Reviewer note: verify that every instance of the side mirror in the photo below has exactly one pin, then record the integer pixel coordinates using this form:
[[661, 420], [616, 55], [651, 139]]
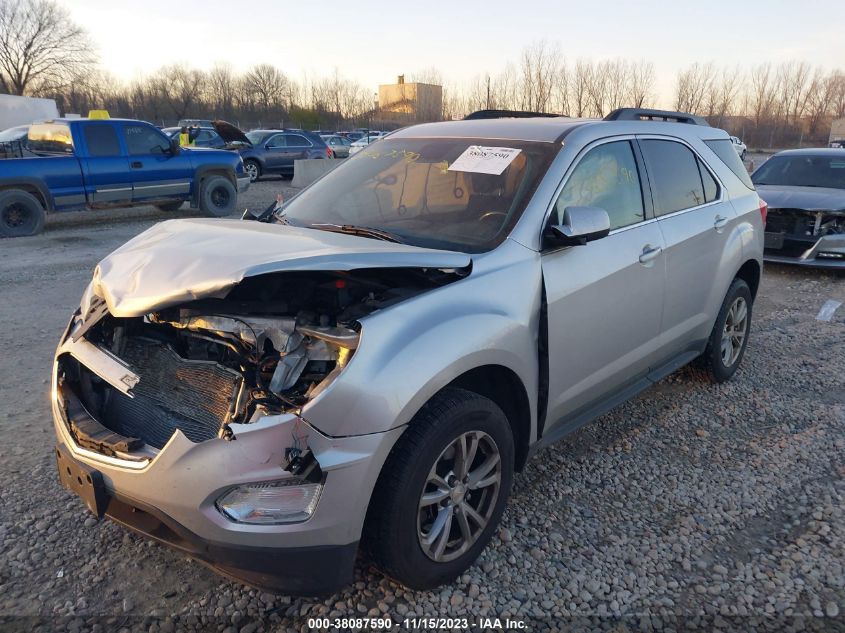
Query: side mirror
[[175, 148], [580, 225]]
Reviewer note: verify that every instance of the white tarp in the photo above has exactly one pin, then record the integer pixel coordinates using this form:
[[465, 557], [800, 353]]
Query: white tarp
[[16, 110]]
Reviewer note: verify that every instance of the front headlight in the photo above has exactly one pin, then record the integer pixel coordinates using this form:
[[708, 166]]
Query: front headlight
[[271, 502]]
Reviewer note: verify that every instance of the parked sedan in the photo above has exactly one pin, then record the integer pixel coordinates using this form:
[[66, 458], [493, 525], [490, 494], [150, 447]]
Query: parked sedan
[[364, 141], [339, 145], [805, 189], [274, 151]]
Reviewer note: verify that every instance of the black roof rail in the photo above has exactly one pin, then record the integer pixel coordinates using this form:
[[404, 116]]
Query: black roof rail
[[647, 114], [505, 114]]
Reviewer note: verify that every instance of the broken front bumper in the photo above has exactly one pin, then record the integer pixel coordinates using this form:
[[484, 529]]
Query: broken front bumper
[[827, 252], [170, 495]]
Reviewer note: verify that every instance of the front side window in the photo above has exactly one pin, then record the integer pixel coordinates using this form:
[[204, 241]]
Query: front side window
[[675, 177], [405, 186], [101, 140], [142, 140], [277, 141], [607, 177]]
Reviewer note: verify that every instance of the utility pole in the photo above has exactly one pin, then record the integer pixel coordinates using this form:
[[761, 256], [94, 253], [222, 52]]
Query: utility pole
[[488, 91]]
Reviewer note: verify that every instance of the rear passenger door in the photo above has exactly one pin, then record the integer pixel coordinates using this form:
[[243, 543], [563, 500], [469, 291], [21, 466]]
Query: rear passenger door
[[604, 298], [298, 148], [107, 174], [694, 219]]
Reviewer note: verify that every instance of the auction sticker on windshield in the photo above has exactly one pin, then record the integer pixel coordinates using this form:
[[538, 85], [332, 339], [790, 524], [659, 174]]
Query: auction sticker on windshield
[[485, 160]]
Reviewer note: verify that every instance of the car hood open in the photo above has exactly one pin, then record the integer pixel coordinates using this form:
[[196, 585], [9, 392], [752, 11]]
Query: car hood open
[[183, 260], [229, 133], [807, 198]]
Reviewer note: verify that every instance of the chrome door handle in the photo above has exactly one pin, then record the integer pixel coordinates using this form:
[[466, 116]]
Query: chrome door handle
[[719, 223], [649, 253]]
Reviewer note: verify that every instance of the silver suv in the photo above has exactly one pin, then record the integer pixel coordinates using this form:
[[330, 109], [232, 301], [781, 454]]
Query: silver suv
[[368, 364]]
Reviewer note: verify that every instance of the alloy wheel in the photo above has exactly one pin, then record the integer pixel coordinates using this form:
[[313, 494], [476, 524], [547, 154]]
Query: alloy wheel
[[736, 328], [459, 496]]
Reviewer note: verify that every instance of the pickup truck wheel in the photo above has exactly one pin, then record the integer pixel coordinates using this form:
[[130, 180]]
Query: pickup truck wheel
[[170, 207], [729, 337], [252, 169], [218, 197], [21, 214], [442, 490]]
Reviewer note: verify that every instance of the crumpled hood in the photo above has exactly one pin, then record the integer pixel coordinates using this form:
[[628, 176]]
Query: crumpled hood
[[809, 198], [182, 260]]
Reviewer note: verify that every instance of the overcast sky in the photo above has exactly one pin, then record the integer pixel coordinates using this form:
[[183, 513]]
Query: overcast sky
[[373, 41]]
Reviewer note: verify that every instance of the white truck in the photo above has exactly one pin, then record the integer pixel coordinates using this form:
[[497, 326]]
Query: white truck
[[837, 133], [16, 110]]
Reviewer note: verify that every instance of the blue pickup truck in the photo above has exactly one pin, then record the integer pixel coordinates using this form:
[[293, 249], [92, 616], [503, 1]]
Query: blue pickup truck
[[95, 164]]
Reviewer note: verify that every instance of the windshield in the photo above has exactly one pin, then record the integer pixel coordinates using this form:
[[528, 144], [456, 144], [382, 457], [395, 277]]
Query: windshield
[[411, 188], [13, 133], [256, 137], [802, 170]]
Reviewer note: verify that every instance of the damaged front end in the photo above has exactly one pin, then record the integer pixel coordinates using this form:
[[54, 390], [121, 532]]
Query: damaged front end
[[811, 237], [273, 344]]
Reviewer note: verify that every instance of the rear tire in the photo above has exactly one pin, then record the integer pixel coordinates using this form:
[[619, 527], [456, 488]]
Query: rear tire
[[170, 207], [21, 214], [729, 338], [434, 509], [218, 197]]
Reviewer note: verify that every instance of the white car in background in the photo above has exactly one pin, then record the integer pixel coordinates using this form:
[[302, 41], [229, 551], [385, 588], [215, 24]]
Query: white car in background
[[739, 146], [362, 142]]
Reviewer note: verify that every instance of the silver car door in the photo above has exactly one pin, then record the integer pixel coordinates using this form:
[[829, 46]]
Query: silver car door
[[604, 298], [694, 217]]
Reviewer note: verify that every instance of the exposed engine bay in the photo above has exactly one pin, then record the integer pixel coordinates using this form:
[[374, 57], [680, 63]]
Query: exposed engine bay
[[271, 345], [795, 230]]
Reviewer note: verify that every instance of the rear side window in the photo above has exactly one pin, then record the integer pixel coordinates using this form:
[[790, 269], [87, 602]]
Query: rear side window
[[101, 140], [724, 149], [295, 140], [50, 137], [142, 140], [675, 177]]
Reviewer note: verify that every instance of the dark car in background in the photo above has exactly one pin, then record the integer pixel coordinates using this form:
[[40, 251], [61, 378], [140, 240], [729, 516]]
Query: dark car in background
[[206, 137], [274, 151], [805, 190]]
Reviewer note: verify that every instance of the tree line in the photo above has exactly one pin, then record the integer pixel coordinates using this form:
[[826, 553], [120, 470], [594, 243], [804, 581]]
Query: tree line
[[44, 53]]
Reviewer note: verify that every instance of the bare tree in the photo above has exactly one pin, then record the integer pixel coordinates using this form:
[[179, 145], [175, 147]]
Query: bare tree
[[693, 88], [39, 44], [269, 86], [539, 71], [640, 91], [222, 88], [578, 87]]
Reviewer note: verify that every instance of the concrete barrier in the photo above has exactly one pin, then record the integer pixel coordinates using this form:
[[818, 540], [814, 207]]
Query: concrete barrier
[[307, 171]]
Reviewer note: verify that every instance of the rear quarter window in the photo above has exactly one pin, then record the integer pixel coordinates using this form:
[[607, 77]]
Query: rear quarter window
[[50, 138], [724, 149], [101, 140]]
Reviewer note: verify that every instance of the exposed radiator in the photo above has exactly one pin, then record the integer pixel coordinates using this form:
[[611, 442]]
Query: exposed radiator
[[193, 396]]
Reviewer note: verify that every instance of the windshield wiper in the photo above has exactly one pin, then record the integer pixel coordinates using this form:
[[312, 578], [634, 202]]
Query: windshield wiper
[[363, 231]]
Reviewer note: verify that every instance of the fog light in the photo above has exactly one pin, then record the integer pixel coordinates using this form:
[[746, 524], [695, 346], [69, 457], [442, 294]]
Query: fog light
[[271, 502]]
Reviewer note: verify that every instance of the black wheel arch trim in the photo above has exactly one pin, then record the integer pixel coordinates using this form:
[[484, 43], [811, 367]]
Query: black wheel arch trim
[[40, 186]]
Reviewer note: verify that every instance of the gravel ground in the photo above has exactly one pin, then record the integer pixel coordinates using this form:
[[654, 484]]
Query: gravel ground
[[695, 504]]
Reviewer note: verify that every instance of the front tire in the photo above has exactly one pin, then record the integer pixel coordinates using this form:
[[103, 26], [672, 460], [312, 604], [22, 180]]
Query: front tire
[[729, 338], [442, 490], [21, 214], [252, 169], [218, 197]]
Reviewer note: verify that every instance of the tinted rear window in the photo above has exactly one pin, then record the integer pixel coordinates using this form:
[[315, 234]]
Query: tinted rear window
[[674, 172], [724, 149], [101, 140]]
